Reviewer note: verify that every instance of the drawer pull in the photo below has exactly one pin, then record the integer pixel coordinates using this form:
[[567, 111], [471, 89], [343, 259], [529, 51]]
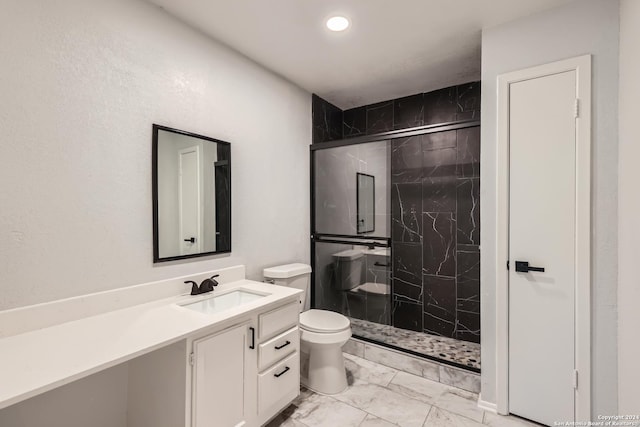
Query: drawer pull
[[286, 368], [280, 347]]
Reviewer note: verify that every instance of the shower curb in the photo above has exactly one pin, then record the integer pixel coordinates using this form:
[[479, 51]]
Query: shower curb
[[440, 372]]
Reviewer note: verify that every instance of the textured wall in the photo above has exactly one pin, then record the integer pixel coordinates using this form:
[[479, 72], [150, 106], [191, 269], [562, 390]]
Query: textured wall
[[589, 26], [82, 83]]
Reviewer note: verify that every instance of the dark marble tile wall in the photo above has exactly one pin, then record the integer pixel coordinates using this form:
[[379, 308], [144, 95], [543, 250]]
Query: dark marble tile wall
[[435, 212], [435, 233], [435, 198], [441, 106], [326, 120], [450, 104]]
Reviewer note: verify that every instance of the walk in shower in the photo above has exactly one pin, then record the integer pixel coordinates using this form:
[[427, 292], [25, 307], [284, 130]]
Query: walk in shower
[[395, 238]]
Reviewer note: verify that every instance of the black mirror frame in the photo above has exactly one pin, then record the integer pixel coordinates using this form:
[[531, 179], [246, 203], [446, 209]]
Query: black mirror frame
[[154, 174]]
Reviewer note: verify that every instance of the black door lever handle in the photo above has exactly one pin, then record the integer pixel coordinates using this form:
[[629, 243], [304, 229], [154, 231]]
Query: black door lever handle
[[192, 240], [523, 267]]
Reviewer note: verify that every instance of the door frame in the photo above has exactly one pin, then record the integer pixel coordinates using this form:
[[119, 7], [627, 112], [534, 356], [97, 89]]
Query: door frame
[[582, 66]]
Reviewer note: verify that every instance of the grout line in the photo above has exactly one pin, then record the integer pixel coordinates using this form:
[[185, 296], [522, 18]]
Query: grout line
[[427, 417], [392, 378]]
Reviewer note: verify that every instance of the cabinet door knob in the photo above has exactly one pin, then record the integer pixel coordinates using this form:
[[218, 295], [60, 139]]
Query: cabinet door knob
[[286, 368]]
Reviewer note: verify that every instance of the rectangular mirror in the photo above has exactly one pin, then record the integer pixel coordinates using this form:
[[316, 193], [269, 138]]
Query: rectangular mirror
[[191, 195], [366, 205]]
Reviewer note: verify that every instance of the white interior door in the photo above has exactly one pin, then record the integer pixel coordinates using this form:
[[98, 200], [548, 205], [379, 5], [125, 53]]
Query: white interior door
[[189, 200], [542, 232]]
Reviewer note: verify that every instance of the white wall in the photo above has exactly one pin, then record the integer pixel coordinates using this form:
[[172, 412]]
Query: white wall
[[82, 82], [578, 28], [628, 208]]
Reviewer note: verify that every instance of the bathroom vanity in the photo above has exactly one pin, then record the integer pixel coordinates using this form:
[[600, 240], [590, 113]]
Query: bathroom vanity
[[230, 357]]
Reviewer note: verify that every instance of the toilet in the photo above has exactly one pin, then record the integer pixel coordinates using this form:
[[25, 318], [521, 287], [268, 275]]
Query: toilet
[[322, 333], [348, 265], [367, 300]]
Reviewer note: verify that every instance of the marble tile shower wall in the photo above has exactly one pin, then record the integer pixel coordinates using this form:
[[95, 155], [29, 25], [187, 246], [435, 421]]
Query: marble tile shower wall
[[435, 233], [435, 205]]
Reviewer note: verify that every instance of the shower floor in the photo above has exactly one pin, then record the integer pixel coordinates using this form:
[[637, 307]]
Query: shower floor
[[447, 349]]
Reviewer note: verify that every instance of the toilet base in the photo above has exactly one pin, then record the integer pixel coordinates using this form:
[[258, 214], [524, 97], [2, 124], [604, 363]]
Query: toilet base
[[326, 373]]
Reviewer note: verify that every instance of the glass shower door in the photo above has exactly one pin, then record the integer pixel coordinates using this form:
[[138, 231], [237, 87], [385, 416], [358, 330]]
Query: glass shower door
[[351, 231]]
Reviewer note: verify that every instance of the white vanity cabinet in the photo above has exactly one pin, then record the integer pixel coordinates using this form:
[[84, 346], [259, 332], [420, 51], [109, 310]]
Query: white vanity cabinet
[[221, 378], [248, 372]]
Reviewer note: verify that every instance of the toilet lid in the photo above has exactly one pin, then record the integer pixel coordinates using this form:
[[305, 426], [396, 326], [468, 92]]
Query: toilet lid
[[323, 321]]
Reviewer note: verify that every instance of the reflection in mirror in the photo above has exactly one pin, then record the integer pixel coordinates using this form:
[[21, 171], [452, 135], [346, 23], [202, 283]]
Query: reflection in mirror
[[365, 191], [191, 195]]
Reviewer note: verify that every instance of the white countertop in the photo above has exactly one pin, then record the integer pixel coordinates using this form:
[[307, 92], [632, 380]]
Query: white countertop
[[34, 362]]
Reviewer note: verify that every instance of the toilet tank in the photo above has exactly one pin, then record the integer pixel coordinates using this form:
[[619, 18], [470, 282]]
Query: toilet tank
[[348, 266], [294, 276]]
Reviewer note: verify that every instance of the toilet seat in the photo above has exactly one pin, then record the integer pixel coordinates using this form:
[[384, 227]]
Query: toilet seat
[[324, 321], [371, 288]]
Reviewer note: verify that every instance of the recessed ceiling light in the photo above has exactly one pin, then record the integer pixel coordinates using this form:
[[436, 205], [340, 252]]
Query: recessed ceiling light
[[337, 23]]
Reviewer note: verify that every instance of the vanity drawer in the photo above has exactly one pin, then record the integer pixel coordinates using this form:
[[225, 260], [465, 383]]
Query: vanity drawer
[[277, 348], [278, 320], [278, 386]]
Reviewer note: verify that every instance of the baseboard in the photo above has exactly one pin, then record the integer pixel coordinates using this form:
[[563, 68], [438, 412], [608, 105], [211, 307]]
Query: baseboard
[[487, 406]]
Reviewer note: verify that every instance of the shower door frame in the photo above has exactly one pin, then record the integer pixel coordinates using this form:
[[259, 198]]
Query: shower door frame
[[375, 241]]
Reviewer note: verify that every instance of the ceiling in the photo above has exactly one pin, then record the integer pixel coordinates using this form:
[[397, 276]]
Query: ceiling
[[392, 49]]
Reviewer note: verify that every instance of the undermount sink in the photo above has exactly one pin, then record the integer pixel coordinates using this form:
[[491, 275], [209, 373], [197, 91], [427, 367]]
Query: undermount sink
[[217, 303]]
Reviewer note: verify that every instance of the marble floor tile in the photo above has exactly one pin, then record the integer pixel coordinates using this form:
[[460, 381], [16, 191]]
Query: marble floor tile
[[495, 420], [324, 411], [459, 378], [462, 403], [284, 419], [417, 388], [281, 421], [441, 418], [379, 396], [362, 370], [372, 421], [445, 397], [386, 404], [402, 362]]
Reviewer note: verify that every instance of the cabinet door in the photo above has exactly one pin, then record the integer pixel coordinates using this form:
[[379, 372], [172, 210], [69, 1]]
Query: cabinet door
[[220, 387]]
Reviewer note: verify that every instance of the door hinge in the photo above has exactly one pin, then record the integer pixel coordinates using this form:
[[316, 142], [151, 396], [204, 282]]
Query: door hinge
[[192, 359], [575, 379], [576, 110]]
